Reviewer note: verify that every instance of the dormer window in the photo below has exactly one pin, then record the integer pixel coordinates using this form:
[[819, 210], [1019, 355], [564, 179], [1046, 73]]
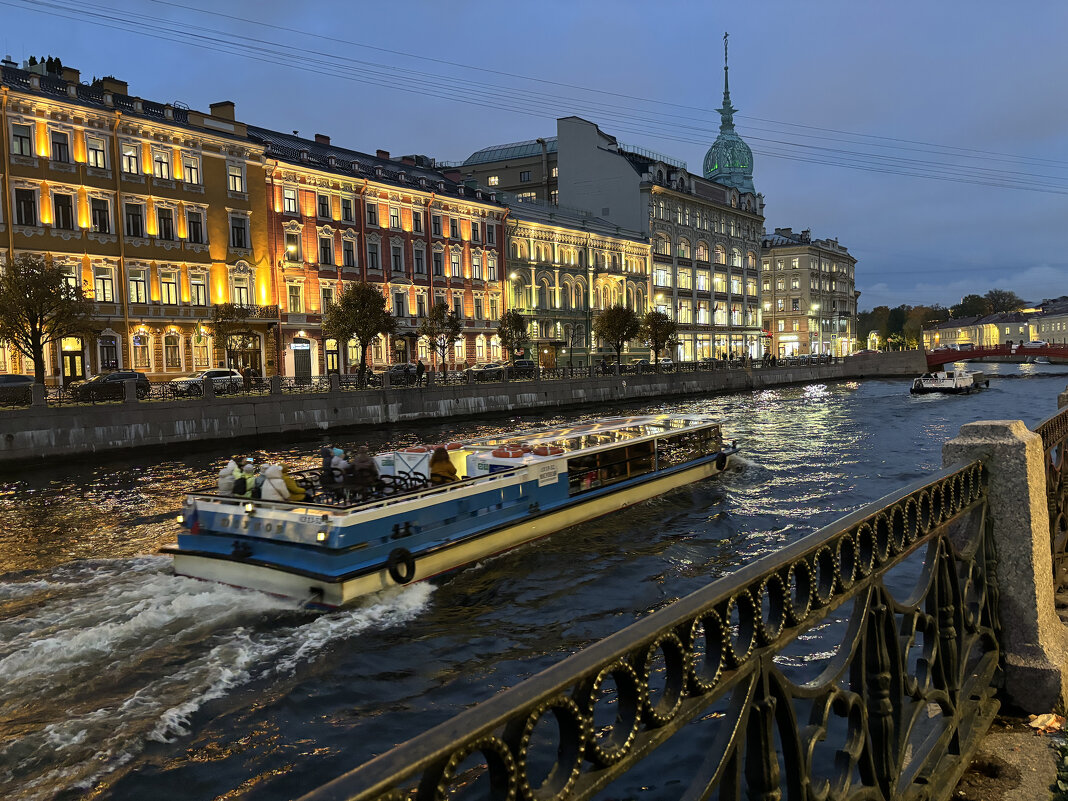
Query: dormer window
[[304, 154]]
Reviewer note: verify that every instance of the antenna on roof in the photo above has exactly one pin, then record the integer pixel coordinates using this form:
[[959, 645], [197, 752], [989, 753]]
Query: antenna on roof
[[296, 133]]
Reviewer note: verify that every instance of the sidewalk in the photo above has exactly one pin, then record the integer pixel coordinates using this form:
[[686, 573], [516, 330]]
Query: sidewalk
[[1012, 764]]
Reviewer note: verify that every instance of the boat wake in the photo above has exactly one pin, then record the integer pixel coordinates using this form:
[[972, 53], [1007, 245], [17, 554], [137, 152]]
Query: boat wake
[[98, 659]]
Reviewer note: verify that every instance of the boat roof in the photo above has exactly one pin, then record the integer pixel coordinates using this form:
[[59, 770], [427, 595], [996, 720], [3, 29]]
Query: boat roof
[[606, 432]]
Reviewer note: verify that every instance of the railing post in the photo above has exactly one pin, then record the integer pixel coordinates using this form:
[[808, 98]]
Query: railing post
[[1062, 399], [38, 395], [207, 388], [276, 384], [385, 379], [129, 390], [1035, 641]]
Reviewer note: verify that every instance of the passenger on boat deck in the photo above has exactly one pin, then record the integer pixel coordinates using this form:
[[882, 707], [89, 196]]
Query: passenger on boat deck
[[274, 484], [296, 492], [226, 477], [248, 472], [364, 469], [327, 474], [338, 462], [442, 470]]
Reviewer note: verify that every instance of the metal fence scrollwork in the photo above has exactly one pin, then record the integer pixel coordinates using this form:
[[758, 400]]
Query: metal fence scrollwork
[[721, 694], [1054, 433]]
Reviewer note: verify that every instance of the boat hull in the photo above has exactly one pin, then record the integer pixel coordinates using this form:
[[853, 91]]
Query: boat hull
[[336, 592]]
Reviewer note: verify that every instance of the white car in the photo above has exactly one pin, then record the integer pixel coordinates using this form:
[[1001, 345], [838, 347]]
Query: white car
[[223, 380], [1036, 343]]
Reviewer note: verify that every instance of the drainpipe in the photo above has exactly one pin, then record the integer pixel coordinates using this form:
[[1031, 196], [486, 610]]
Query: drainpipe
[[6, 201], [272, 241], [120, 229]]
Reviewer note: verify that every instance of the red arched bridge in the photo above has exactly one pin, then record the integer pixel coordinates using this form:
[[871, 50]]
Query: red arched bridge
[[1009, 353]]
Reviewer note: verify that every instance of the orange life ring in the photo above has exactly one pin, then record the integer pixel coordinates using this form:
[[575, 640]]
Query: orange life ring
[[545, 450], [454, 446], [525, 448], [507, 453], [416, 449]]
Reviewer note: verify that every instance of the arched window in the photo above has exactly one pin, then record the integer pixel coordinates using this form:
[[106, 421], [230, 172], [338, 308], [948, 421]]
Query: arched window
[[751, 260], [736, 257], [606, 297], [702, 251], [578, 296], [515, 250], [684, 248], [172, 352], [721, 255], [639, 300], [544, 294], [565, 296]]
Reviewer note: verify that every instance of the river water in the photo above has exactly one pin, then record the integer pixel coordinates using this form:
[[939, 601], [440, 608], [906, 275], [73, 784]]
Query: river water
[[119, 680]]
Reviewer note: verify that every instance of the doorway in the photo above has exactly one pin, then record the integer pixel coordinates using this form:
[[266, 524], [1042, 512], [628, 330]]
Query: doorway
[[73, 359], [302, 366]]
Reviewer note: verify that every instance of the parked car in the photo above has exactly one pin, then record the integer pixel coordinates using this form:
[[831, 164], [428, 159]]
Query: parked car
[[1036, 343], [222, 379], [523, 368], [108, 386], [665, 363], [491, 371], [399, 375], [869, 350], [16, 389], [638, 366]]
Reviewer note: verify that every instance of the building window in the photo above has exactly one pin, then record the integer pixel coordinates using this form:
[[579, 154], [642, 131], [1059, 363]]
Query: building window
[[420, 305], [478, 308], [454, 262], [795, 282], [130, 160], [372, 257], [372, 213], [138, 287], [394, 217], [195, 227], [458, 304], [795, 304], [241, 292], [780, 305], [101, 215], [142, 351], [491, 234], [346, 209], [289, 201], [326, 250], [63, 212], [165, 227], [60, 147], [327, 295], [191, 170], [103, 286], [25, 207], [454, 228], [296, 299], [348, 253], [161, 164], [420, 263], [235, 178], [400, 306], [476, 267], [491, 267], [475, 226], [95, 155], [781, 325], [417, 221], [172, 359], [523, 197], [439, 262], [198, 290], [135, 220], [21, 140], [435, 225], [493, 180], [524, 176], [396, 259], [324, 206], [168, 289], [239, 231]]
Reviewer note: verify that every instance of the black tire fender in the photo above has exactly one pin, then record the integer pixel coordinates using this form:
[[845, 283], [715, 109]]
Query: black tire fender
[[401, 565], [721, 462]]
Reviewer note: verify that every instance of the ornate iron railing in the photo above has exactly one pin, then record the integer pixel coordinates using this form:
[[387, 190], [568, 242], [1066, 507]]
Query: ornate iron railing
[[894, 712], [1054, 433]]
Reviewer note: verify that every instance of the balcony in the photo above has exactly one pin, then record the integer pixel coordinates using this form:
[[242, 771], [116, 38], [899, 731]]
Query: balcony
[[258, 312]]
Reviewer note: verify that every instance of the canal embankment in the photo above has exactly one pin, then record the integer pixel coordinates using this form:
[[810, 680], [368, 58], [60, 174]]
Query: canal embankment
[[43, 432]]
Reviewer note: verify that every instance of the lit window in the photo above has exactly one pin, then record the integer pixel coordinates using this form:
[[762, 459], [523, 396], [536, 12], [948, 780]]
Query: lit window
[[493, 180], [235, 178], [296, 299], [161, 164], [168, 289], [171, 352], [394, 217], [95, 155], [191, 170], [21, 140], [138, 287], [198, 290], [130, 159], [289, 201]]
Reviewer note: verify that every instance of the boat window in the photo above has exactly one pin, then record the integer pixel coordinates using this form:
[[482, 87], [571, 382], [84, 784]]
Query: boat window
[[682, 448], [601, 469]]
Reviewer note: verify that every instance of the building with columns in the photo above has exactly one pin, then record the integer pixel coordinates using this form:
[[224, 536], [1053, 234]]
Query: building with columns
[[336, 216], [564, 267], [150, 206], [809, 295]]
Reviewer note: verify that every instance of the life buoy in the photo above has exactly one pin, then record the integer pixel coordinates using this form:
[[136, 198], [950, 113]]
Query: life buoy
[[544, 450], [401, 565], [416, 449], [507, 453], [721, 462], [454, 446]]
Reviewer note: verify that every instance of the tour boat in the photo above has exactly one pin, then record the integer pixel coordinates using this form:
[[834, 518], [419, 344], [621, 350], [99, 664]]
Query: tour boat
[[512, 489], [951, 381]]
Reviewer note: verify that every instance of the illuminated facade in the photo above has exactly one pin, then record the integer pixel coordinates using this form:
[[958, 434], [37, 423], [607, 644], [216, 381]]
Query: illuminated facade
[[151, 207], [564, 267], [809, 296], [337, 216]]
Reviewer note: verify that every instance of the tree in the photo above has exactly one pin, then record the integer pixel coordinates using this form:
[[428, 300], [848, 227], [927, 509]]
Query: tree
[[358, 313], [441, 328], [658, 331], [875, 321], [972, 306], [39, 305], [225, 321], [617, 325], [1002, 300], [513, 332]]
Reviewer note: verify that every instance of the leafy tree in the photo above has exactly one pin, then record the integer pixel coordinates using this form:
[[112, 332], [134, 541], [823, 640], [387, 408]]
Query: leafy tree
[[658, 331], [358, 313], [441, 328], [1002, 300], [876, 320], [895, 320], [617, 325], [513, 332], [39, 306], [225, 322], [972, 306]]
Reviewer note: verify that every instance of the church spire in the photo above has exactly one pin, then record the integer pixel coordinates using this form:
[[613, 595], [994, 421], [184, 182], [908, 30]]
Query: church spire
[[729, 161], [726, 113]]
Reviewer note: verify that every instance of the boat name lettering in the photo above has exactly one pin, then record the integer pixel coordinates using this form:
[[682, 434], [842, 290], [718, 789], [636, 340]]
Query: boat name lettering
[[548, 473], [311, 518]]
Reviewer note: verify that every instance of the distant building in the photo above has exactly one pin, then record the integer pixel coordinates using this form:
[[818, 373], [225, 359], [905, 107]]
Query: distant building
[[527, 170], [564, 267], [1000, 328], [808, 292]]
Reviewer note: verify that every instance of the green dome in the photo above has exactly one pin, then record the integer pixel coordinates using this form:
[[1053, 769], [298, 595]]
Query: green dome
[[729, 161]]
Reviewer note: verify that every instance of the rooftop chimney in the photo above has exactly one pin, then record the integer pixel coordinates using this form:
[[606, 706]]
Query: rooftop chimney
[[71, 75], [409, 160], [322, 139], [7, 62], [784, 231], [382, 154], [114, 85], [452, 175], [224, 110]]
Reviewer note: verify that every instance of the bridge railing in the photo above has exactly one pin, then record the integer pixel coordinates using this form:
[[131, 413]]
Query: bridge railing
[[1054, 433], [894, 708]]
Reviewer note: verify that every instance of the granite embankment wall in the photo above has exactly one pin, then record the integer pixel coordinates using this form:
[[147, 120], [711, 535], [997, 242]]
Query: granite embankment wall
[[36, 433]]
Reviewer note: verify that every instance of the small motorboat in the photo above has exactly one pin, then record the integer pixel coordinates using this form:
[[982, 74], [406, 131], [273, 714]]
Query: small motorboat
[[954, 382], [353, 540]]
